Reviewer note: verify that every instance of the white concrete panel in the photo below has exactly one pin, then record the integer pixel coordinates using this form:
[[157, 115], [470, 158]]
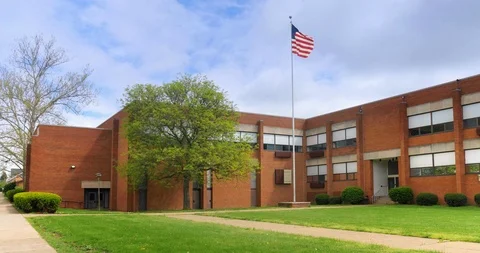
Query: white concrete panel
[[344, 124], [283, 131], [247, 128], [471, 98], [471, 143], [96, 184], [344, 158], [317, 161], [432, 148], [429, 107], [315, 131], [383, 154]]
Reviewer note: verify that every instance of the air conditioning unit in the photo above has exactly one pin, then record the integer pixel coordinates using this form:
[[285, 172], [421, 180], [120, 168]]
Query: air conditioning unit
[[317, 154], [283, 154], [478, 131]]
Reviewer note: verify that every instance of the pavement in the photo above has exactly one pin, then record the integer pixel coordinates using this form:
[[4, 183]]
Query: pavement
[[393, 241], [16, 234]]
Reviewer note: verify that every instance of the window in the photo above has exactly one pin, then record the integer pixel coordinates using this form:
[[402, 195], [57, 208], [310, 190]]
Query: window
[[432, 122], [472, 161], [344, 137], [249, 137], [316, 142], [317, 174], [278, 142], [345, 171], [471, 115], [438, 164]]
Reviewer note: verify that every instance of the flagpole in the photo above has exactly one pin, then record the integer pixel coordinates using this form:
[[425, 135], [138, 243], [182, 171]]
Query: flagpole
[[293, 117]]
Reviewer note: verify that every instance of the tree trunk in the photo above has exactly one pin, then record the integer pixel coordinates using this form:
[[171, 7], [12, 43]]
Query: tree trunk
[[186, 193]]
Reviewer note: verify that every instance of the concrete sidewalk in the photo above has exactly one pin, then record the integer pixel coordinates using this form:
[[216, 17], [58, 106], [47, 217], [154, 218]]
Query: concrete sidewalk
[[393, 241], [16, 234]]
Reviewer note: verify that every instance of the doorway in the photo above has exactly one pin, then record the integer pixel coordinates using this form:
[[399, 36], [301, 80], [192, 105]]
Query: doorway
[[92, 199], [197, 195]]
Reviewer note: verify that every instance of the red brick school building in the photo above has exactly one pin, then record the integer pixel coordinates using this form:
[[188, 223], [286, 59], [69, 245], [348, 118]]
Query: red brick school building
[[427, 139]]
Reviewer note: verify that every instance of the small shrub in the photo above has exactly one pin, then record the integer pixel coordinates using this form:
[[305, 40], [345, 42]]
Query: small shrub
[[426, 199], [12, 193], [401, 195], [352, 195], [37, 202], [455, 199], [477, 199], [322, 199], [335, 200], [8, 187]]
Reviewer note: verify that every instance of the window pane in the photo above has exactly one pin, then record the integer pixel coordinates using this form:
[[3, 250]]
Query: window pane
[[322, 178], [449, 126], [351, 167], [428, 171], [281, 139], [469, 123], [414, 132], [298, 141], [339, 144], [472, 156], [268, 139], [339, 168], [442, 116], [338, 135], [312, 170], [250, 137], [439, 128], [351, 176], [442, 159], [471, 111], [419, 120], [322, 138], [415, 172], [268, 146], [451, 170], [420, 161], [312, 140], [425, 130], [322, 170], [473, 168], [351, 133], [298, 149], [351, 142]]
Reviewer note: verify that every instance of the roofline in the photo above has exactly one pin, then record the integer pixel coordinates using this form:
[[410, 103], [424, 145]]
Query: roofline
[[263, 114], [73, 127]]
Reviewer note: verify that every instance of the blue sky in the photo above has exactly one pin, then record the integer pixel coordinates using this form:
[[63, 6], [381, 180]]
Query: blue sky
[[364, 51]]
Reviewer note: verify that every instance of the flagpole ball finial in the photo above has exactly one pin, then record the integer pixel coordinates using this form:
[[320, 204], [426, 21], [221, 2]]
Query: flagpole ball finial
[[290, 17]]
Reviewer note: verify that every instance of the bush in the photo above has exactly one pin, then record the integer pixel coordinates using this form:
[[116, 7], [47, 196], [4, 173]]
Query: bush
[[322, 199], [455, 199], [352, 195], [426, 199], [8, 187], [335, 200], [477, 199], [37, 202], [12, 193], [401, 195]]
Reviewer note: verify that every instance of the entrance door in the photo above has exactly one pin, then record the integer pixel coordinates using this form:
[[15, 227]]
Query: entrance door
[[91, 202], [92, 199], [197, 195], [142, 199]]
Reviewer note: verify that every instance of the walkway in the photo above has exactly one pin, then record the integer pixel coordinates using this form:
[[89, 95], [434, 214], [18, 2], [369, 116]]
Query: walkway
[[393, 241], [16, 234]]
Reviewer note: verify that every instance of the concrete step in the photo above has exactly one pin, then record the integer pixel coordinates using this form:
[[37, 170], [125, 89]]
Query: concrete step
[[384, 200]]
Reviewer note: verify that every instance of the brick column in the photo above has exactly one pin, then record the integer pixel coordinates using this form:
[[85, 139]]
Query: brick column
[[328, 156], [260, 154], [113, 171], [458, 133], [360, 166], [26, 176], [404, 160]]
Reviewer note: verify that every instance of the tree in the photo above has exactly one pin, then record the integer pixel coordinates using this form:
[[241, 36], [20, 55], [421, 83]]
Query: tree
[[180, 130], [35, 89], [4, 176]]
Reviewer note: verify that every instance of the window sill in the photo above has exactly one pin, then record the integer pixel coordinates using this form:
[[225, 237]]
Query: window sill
[[420, 135], [344, 180], [434, 175]]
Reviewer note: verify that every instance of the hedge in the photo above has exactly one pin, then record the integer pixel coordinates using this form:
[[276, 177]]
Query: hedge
[[455, 199], [477, 199], [322, 199], [401, 195], [353, 195], [37, 202], [426, 199], [335, 200], [12, 193], [8, 187]]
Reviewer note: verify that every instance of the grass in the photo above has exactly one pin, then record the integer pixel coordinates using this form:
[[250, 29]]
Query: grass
[[140, 233], [84, 211], [439, 222]]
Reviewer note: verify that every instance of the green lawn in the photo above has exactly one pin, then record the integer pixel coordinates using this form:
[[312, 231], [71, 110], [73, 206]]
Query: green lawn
[[440, 222], [140, 233], [84, 211]]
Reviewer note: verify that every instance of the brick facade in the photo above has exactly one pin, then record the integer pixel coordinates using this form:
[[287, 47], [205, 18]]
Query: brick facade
[[381, 133]]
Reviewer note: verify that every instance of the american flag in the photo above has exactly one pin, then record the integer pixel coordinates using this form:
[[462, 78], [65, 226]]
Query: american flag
[[302, 45]]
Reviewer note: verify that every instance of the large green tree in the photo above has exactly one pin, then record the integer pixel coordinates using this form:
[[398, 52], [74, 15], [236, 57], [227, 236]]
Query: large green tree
[[178, 131]]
